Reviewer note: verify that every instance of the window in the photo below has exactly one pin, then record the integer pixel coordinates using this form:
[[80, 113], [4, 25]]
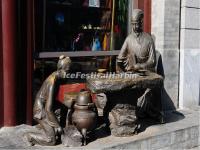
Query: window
[[80, 25]]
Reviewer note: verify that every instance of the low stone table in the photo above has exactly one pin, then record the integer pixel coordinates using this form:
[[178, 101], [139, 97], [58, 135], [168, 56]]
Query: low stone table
[[104, 83], [122, 92]]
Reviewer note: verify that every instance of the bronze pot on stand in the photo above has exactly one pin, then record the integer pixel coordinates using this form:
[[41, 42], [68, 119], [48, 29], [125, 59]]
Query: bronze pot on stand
[[84, 116]]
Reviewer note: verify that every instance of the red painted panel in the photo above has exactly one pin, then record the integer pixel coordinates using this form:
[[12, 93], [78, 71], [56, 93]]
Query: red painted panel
[[9, 60], [141, 4], [144, 5], [147, 16], [1, 74], [67, 88]]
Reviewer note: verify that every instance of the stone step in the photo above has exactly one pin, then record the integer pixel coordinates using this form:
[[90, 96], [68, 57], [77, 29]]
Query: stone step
[[182, 131]]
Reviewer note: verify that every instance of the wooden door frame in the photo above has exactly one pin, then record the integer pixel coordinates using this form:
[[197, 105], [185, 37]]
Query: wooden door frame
[[30, 50]]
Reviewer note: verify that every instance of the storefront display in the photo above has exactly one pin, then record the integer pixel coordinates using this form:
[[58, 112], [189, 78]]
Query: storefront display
[[79, 25], [69, 25]]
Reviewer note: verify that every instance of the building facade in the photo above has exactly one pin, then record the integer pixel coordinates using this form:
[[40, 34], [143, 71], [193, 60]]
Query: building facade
[[174, 24]]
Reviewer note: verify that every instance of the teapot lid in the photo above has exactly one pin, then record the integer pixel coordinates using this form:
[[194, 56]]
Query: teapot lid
[[84, 97]]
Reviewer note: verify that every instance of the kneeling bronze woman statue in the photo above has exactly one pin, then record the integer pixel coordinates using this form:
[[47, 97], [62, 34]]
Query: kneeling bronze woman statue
[[43, 107]]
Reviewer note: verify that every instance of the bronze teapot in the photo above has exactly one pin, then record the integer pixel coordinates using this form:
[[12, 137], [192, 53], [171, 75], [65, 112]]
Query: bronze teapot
[[84, 116]]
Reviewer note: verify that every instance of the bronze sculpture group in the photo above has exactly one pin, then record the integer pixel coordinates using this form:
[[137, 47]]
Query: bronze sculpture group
[[137, 55]]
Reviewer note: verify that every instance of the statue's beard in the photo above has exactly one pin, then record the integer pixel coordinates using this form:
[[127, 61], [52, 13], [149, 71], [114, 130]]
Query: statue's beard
[[137, 31]]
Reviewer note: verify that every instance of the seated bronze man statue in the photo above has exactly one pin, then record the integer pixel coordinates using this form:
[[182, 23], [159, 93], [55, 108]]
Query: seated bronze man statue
[[43, 107], [138, 53]]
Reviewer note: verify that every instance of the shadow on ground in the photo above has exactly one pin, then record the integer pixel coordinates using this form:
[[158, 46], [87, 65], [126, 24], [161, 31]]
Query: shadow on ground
[[169, 116]]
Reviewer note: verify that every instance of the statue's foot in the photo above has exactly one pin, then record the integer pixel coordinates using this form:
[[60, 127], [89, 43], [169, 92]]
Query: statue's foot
[[137, 129], [84, 132], [28, 139]]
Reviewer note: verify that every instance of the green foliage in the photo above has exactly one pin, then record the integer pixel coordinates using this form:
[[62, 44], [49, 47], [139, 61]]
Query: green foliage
[[121, 14]]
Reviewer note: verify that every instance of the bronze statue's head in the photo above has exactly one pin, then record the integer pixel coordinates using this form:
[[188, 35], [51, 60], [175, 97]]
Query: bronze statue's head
[[64, 63], [137, 20]]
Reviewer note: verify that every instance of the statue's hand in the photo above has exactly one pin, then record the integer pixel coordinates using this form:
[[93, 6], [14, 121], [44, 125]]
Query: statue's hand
[[136, 67]]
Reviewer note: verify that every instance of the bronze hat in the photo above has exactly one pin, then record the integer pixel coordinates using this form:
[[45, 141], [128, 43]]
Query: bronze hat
[[137, 15]]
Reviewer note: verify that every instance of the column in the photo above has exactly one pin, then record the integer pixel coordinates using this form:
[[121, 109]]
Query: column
[[1, 85], [9, 60], [1, 74], [189, 96]]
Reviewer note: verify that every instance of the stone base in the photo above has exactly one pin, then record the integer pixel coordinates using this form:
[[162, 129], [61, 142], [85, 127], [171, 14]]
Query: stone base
[[123, 131], [71, 137], [182, 131]]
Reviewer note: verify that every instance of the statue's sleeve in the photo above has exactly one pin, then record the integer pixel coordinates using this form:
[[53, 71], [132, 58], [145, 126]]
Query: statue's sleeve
[[122, 58], [49, 108], [123, 52], [151, 62]]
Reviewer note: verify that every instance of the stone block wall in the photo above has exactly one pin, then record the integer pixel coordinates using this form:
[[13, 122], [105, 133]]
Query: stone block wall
[[190, 54], [165, 29]]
